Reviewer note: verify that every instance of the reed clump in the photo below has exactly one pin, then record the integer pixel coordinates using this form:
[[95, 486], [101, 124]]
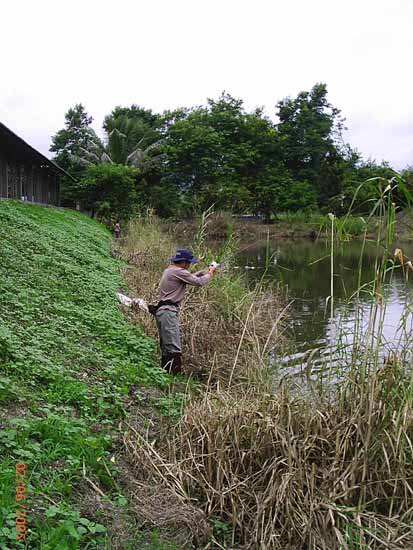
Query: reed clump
[[285, 471], [221, 225]]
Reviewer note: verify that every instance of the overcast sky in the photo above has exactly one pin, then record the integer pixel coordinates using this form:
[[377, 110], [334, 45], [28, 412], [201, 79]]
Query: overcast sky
[[164, 54]]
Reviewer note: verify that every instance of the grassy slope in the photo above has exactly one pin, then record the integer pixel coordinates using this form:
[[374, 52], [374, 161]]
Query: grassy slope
[[68, 358]]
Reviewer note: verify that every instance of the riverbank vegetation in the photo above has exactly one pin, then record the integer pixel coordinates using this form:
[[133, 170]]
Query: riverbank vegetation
[[288, 225], [263, 462], [180, 163], [119, 454]]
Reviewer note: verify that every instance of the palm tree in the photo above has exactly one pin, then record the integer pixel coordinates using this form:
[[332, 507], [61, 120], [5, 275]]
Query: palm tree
[[128, 142]]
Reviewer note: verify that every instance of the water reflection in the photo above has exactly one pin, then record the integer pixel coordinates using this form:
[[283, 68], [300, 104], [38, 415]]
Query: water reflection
[[304, 269]]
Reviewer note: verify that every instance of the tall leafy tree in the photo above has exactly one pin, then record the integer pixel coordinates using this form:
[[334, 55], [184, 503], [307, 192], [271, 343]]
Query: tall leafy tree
[[220, 154], [69, 144], [308, 128]]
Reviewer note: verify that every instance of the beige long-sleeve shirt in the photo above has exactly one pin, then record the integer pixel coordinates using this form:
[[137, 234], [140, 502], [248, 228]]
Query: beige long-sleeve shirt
[[173, 283]]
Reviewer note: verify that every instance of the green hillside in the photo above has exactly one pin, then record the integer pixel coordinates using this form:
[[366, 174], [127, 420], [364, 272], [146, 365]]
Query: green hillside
[[68, 358]]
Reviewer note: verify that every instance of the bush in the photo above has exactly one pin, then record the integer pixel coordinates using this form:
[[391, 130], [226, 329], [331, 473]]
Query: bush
[[296, 196], [109, 190]]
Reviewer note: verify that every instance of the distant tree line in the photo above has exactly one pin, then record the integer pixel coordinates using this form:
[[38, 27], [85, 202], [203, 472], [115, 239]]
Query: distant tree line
[[182, 162]]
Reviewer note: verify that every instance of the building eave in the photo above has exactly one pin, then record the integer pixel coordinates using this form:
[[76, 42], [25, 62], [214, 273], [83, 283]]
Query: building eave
[[36, 154]]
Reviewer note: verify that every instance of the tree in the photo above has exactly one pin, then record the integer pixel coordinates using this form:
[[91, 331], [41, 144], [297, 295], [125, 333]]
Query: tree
[[127, 135], [219, 154], [109, 190], [142, 159], [361, 184], [129, 141], [405, 187], [69, 144], [308, 128], [296, 195], [132, 139], [146, 117], [157, 193]]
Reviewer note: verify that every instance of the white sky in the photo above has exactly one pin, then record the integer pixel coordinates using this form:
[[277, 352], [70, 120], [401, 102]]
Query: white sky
[[163, 54]]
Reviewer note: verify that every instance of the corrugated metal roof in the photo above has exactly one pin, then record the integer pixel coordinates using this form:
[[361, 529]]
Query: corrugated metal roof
[[19, 142]]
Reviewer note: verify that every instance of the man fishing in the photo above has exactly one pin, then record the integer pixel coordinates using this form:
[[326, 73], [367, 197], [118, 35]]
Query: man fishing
[[117, 230], [171, 293]]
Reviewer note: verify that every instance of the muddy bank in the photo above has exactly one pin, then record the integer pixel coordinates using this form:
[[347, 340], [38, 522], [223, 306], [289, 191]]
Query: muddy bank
[[220, 226]]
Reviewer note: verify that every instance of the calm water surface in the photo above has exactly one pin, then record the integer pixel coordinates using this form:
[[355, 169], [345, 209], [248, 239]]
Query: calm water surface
[[304, 269]]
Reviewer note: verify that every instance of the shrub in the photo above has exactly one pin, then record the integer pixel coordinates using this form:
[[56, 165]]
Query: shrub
[[109, 190]]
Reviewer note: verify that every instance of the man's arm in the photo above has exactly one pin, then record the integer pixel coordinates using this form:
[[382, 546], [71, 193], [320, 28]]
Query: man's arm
[[194, 280]]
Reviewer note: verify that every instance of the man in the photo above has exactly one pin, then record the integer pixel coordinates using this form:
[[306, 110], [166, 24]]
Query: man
[[171, 293]]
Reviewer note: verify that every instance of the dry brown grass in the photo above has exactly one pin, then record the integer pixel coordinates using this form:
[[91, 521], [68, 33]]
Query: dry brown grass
[[285, 472]]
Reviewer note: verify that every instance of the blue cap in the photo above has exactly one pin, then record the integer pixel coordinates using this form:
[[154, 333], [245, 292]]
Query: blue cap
[[184, 255]]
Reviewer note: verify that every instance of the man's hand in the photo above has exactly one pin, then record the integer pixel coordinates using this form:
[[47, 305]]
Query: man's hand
[[212, 267]]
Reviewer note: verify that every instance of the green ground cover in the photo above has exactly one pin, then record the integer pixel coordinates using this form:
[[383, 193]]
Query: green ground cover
[[68, 358]]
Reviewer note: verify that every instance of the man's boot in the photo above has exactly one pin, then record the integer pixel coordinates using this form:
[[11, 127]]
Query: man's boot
[[176, 365], [172, 363]]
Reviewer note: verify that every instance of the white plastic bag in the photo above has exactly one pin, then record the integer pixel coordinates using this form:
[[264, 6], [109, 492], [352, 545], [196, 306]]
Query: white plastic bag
[[129, 302]]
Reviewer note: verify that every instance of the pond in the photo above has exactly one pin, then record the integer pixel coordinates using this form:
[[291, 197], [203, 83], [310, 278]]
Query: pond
[[303, 267]]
